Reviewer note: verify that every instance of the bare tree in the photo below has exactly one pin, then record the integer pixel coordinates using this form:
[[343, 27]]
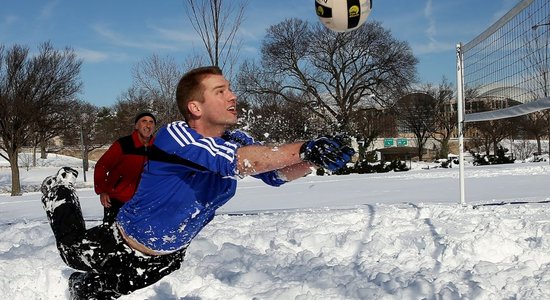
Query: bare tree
[[494, 131], [52, 123], [445, 115], [158, 78], [127, 106], [103, 128], [121, 115], [29, 87], [370, 123], [416, 114], [490, 133], [332, 74], [84, 133], [535, 125], [217, 22]]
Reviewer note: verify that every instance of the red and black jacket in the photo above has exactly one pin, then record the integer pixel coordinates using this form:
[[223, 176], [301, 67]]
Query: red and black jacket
[[118, 171]]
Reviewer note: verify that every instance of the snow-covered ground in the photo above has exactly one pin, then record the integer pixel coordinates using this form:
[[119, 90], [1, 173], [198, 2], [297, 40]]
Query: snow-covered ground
[[374, 236]]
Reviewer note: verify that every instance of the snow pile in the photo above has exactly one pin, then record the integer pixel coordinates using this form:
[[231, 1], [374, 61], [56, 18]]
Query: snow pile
[[373, 236]]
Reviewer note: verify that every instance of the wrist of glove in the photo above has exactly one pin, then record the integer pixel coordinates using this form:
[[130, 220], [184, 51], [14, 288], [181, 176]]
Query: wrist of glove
[[327, 152]]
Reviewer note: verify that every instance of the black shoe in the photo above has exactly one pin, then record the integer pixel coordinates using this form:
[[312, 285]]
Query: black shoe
[[64, 176], [47, 185], [75, 282], [59, 189], [80, 288]]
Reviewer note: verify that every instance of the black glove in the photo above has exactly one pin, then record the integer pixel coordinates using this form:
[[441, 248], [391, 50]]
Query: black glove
[[327, 152]]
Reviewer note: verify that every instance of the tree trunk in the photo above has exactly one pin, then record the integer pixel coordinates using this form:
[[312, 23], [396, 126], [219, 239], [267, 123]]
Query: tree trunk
[[419, 147], [43, 153], [86, 159], [444, 152], [15, 181], [34, 156]]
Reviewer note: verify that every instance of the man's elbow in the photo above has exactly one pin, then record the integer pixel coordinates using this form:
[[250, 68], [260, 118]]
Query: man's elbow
[[247, 167]]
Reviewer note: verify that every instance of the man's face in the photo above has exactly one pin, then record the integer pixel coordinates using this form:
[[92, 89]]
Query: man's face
[[145, 127], [219, 107]]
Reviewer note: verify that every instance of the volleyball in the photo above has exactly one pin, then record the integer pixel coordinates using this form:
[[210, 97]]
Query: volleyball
[[343, 15]]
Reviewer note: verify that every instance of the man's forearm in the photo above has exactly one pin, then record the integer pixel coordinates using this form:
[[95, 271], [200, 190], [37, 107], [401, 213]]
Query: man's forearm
[[296, 171], [257, 159]]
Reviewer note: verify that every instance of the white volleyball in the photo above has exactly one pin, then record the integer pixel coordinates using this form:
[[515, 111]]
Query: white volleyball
[[343, 15]]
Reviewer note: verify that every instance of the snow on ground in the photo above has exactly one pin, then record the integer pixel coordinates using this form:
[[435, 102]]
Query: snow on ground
[[373, 236]]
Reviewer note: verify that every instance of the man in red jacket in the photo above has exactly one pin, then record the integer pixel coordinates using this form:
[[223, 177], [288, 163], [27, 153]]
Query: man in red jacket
[[118, 172]]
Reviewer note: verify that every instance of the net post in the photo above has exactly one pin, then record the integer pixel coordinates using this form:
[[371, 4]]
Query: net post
[[460, 117]]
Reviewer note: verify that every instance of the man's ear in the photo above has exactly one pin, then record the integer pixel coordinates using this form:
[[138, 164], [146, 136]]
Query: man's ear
[[194, 108]]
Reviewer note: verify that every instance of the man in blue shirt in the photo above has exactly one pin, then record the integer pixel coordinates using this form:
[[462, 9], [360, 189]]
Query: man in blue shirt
[[192, 170]]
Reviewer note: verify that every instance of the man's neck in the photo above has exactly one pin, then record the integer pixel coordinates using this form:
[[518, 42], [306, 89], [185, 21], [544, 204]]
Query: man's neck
[[207, 131]]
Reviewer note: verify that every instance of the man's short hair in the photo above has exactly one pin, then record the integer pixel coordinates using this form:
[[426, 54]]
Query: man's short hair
[[190, 87]]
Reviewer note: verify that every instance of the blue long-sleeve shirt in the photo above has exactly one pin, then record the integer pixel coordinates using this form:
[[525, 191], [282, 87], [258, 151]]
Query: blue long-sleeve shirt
[[186, 179]]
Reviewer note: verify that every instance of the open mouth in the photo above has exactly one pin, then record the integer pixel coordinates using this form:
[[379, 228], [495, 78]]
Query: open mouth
[[232, 108]]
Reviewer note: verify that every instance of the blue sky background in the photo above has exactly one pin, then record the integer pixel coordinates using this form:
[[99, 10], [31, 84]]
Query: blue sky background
[[112, 36]]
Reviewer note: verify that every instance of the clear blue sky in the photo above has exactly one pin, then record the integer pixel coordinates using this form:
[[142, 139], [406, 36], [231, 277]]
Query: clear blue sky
[[112, 36]]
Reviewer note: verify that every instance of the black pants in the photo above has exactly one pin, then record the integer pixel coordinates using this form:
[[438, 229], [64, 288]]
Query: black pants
[[111, 268], [110, 213]]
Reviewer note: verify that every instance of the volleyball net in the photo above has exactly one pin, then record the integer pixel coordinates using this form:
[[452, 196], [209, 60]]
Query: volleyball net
[[505, 71]]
